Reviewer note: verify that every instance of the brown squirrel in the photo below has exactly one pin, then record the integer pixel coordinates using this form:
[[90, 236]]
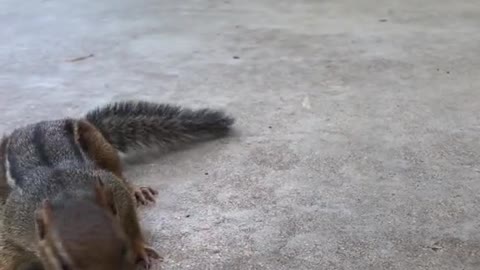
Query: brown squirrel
[[67, 205]]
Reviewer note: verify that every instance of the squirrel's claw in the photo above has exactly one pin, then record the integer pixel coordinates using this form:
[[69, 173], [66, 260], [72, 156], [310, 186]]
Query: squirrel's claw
[[144, 195], [147, 257]]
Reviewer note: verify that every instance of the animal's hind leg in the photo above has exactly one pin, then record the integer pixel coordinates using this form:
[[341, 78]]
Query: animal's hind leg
[[107, 158]]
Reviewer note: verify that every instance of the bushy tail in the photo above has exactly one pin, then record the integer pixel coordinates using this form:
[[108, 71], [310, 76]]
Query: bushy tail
[[131, 124]]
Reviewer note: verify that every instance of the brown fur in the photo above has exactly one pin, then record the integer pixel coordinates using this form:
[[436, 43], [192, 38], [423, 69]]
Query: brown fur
[[98, 148], [106, 157]]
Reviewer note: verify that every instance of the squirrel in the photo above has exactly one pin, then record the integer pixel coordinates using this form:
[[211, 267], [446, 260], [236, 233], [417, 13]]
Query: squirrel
[[67, 204]]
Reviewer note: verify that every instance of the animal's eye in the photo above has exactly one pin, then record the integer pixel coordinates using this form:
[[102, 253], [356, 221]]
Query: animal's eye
[[124, 251], [31, 266], [64, 266]]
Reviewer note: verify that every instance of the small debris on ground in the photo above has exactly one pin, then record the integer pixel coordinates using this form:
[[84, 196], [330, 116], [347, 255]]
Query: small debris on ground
[[236, 57], [81, 58]]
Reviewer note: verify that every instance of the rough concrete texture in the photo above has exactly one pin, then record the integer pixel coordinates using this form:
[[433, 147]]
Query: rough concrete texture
[[357, 143]]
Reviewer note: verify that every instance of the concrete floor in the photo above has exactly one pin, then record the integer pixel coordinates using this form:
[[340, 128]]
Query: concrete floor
[[357, 143]]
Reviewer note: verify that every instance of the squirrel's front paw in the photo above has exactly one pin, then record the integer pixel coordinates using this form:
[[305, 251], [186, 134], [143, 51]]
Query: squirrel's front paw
[[144, 195], [148, 256]]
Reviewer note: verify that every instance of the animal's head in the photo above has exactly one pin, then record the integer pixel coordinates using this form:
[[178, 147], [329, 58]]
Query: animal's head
[[82, 234]]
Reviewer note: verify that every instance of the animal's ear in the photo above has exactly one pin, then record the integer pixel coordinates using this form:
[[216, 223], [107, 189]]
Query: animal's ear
[[43, 219], [104, 197]]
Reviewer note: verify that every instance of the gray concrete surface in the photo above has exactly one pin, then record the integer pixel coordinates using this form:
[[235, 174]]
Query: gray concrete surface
[[357, 142]]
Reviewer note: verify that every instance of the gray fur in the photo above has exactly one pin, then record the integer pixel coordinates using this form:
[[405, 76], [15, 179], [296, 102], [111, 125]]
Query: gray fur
[[138, 124], [48, 144]]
